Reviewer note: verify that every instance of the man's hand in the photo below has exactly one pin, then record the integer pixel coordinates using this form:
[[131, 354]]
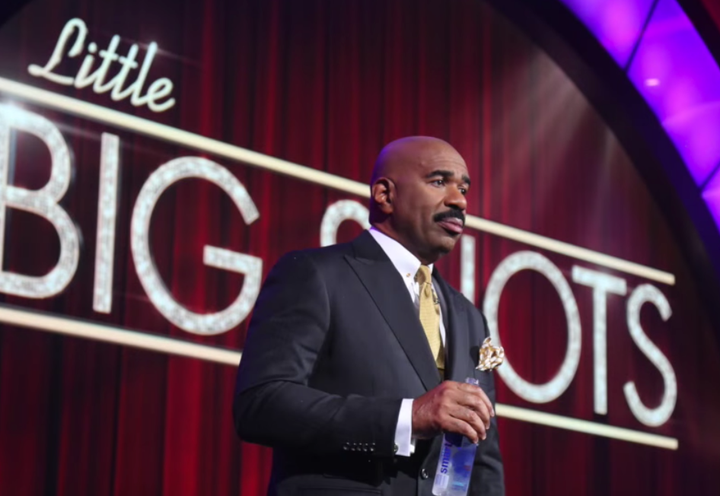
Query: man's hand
[[452, 407]]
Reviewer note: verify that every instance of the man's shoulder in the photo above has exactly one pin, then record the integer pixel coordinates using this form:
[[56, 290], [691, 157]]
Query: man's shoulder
[[319, 257]]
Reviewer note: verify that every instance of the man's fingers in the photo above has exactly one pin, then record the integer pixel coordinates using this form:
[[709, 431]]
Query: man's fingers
[[471, 392], [460, 427], [479, 407], [470, 418], [476, 404]]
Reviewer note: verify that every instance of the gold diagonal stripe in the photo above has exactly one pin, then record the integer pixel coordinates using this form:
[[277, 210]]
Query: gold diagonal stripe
[[117, 335], [578, 425], [187, 139]]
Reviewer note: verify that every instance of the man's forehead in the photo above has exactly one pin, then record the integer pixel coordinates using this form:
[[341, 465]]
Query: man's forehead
[[419, 155], [441, 157], [443, 161]]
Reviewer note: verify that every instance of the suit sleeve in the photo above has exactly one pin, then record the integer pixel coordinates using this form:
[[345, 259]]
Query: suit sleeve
[[487, 475], [273, 403]]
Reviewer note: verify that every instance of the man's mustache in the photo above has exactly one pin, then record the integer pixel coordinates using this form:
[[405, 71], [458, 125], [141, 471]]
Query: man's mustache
[[448, 214]]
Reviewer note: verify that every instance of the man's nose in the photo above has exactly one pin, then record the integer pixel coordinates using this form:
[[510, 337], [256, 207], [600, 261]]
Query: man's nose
[[456, 199]]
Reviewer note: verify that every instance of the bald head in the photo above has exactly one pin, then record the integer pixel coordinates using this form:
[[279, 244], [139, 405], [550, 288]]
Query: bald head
[[418, 195], [405, 153]]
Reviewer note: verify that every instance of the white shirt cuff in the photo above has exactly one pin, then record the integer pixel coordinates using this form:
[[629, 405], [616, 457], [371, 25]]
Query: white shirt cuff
[[403, 431]]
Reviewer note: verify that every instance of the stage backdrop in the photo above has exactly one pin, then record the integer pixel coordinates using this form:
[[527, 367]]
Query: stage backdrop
[[157, 157]]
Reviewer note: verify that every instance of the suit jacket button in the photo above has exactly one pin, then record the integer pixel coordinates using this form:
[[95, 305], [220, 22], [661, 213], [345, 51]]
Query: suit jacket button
[[424, 474]]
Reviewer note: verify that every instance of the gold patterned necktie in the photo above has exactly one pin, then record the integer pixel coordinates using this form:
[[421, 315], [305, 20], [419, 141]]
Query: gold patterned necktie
[[430, 316]]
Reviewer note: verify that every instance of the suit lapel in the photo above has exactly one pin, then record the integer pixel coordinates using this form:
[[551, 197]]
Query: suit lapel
[[456, 332], [388, 291]]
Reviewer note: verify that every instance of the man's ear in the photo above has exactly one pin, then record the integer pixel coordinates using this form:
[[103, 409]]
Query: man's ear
[[382, 192]]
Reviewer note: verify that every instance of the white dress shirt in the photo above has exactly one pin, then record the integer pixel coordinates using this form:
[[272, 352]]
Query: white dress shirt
[[407, 265]]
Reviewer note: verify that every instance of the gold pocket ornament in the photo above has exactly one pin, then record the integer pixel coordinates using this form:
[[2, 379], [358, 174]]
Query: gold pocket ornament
[[491, 356]]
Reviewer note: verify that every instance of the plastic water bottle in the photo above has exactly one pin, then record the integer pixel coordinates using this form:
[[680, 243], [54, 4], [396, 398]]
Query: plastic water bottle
[[457, 456]]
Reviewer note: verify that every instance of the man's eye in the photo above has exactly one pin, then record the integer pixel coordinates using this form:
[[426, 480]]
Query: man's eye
[[439, 182], [463, 191]]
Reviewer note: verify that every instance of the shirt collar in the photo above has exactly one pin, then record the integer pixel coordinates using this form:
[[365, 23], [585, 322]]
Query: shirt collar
[[405, 262]]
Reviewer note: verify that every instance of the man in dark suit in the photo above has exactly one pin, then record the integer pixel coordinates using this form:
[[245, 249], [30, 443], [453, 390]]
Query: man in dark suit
[[342, 372]]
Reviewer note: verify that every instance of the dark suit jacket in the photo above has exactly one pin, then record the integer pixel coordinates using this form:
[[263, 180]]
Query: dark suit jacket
[[333, 347]]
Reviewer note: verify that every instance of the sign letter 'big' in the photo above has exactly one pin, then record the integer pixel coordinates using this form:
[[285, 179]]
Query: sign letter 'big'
[[43, 202], [159, 181]]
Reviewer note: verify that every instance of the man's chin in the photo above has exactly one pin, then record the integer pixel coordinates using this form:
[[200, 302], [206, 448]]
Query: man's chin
[[450, 235], [447, 242]]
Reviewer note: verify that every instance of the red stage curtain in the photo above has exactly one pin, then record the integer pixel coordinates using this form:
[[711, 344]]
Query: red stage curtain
[[326, 84]]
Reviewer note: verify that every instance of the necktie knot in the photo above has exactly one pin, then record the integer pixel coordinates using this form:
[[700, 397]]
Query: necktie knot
[[423, 275]]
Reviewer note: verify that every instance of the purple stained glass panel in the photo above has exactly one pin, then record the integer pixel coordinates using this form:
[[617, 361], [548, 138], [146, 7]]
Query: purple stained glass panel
[[679, 79], [711, 195], [673, 70], [617, 24]]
